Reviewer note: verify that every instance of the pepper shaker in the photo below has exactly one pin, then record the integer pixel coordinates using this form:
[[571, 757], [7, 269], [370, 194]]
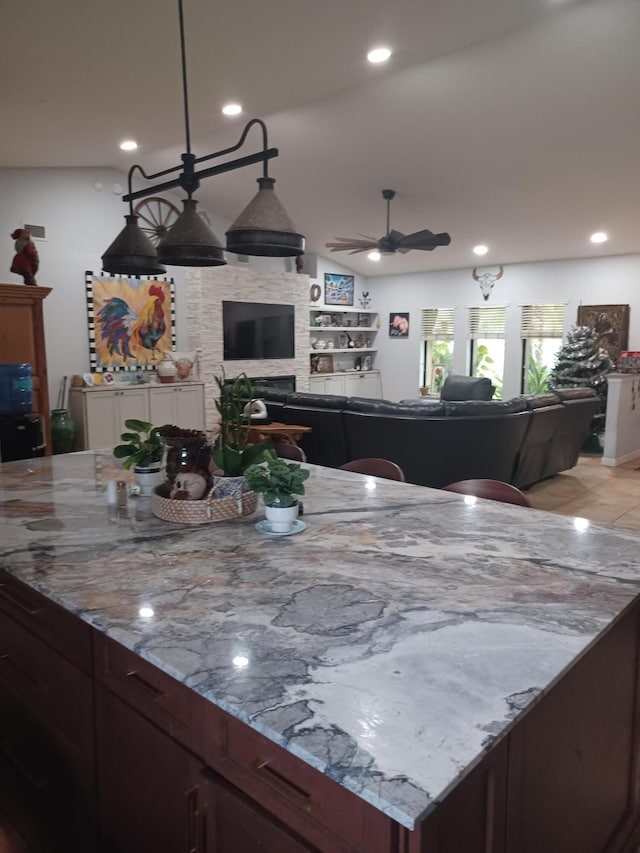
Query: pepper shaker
[[121, 493]]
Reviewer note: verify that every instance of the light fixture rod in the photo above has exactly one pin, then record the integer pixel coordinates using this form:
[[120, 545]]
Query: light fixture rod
[[238, 163], [185, 92]]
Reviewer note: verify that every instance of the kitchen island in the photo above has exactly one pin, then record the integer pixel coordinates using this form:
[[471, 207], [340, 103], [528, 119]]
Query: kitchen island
[[416, 672]]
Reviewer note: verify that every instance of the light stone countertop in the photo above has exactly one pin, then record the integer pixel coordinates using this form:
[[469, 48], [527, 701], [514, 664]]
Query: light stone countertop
[[388, 645]]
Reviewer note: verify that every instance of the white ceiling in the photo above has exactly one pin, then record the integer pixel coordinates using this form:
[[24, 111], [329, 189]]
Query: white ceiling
[[514, 123]]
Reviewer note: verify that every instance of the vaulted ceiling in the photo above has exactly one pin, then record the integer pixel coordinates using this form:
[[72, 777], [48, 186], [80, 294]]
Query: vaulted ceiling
[[514, 124]]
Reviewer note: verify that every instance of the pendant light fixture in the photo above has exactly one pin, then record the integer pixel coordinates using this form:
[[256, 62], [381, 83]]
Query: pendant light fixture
[[263, 228]]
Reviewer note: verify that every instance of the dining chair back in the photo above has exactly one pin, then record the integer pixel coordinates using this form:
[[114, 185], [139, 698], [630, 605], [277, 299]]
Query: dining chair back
[[376, 468], [494, 490], [290, 451]]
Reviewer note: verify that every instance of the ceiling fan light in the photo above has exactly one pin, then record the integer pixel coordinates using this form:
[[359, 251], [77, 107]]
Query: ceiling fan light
[[190, 242], [132, 252], [264, 228], [374, 256]]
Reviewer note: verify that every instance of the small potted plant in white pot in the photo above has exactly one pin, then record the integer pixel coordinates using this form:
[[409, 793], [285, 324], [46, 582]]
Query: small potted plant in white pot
[[279, 482], [142, 451]]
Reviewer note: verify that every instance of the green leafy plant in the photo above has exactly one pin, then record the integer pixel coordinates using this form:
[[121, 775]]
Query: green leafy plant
[[277, 480], [484, 367], [537, 377], [234, 454], [143, 445]]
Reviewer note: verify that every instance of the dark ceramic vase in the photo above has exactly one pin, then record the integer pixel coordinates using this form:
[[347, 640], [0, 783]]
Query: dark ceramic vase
[[63, 432]]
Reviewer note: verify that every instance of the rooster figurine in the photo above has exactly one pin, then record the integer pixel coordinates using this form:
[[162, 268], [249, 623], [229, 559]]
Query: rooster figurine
[[125, 332], [26, 260]]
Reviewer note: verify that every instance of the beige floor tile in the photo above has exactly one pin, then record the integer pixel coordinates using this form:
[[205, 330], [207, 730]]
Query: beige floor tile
[[627, 520]]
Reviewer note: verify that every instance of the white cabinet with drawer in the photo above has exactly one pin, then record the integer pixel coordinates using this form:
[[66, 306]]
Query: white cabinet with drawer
[[356, 384], [99, 413]]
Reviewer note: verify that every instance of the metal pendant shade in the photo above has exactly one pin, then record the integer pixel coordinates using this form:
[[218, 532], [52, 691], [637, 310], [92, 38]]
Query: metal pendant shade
[[190, 242], [132, 252], [264, 227]]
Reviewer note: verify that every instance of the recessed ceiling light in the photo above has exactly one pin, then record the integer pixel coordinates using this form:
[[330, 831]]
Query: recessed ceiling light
[[379, 54], [480, 250], [599, 237], [374, 256], [232, 109], [128, 145]]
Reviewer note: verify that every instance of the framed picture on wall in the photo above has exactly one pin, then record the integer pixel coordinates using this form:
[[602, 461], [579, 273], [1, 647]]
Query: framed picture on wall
[[399, 324], [131, 321], [338, 289], [611, 325], [322, 364]]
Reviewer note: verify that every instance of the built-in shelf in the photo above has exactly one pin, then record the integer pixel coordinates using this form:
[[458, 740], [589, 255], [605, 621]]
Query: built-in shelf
[[364, 382]]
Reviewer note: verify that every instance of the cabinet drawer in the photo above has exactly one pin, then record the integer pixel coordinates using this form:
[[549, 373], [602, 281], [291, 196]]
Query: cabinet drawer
[[330, 817], [65, 632], [174, 708]]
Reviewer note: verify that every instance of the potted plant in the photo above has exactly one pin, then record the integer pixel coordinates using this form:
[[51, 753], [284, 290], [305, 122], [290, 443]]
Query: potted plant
[[142, 451], [234, 454], [278, 481]]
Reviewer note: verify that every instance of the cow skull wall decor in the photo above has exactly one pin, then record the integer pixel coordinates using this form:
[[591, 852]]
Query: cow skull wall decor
[[486, 280]]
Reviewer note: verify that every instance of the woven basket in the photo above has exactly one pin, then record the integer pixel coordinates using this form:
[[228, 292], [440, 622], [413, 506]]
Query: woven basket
[[204, 511]]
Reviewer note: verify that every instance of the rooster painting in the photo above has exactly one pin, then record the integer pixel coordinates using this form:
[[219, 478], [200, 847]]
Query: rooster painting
[[132, 321]]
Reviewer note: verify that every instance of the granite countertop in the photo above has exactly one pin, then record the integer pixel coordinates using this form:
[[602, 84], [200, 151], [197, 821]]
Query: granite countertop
[[388, 645]]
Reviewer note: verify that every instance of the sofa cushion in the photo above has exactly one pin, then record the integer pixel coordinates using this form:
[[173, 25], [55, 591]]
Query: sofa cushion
[[316, 401], [399, 410], [575, 393], [264, 392], [484, 408], [539, 401], [466, 388]]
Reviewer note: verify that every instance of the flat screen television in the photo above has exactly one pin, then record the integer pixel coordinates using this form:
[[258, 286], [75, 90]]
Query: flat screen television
[[257, 330]]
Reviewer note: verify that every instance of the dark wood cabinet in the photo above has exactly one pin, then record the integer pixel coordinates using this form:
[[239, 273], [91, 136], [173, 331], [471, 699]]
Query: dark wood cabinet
[[148, 784], [46, 742], [231, 823], [22, 340]]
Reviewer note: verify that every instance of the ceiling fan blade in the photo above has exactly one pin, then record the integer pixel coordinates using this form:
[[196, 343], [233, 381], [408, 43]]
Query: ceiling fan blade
[[425, 240], [352, 244]]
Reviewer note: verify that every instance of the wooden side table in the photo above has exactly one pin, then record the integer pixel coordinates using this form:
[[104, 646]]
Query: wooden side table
[[276, 433]]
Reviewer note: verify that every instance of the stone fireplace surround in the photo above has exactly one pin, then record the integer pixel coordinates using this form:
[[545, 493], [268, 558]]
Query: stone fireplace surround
[[207, 288]]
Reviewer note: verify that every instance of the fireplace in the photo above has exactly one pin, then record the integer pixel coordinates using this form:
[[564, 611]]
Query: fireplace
[[286, 383]]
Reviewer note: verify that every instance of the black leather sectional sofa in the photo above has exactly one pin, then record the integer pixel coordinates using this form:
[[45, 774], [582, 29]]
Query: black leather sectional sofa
[[519, 441]]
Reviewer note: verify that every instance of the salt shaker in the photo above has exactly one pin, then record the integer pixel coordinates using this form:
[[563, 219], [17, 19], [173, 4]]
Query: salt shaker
[[112, 493]]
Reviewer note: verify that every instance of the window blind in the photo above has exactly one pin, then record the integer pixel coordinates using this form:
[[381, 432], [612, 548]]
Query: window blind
[[542, 321], [487, 322], [437, 324]]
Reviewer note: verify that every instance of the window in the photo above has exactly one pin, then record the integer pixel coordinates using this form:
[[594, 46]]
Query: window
[[436, 354], [541, 333], [486, 333]]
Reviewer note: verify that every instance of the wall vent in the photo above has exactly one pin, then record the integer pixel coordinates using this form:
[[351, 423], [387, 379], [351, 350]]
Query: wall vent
[[38, 232]]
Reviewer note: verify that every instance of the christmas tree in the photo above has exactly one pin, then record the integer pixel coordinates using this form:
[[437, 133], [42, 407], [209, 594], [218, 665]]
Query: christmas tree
[[581, 361]]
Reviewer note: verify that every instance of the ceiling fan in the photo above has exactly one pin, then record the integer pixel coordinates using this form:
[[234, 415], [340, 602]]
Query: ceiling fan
[[393, 241]]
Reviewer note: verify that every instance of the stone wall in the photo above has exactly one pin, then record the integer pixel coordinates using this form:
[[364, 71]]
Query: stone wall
[[206, 290]]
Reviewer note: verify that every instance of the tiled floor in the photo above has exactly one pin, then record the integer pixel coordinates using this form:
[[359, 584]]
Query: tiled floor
[[593, 491]]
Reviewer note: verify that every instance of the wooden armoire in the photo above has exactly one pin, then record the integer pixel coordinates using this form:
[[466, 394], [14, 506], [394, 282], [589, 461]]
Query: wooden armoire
[[22, 340]]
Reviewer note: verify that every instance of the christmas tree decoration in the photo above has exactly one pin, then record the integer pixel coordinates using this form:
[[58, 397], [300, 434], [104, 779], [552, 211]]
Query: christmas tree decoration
[[582, 362]]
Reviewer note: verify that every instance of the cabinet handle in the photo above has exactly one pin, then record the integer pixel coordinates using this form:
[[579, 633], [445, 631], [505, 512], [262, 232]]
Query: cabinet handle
[[18, 602], [192, 820], [146, 685], [38, 782], [273, 777], [31, 682]]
